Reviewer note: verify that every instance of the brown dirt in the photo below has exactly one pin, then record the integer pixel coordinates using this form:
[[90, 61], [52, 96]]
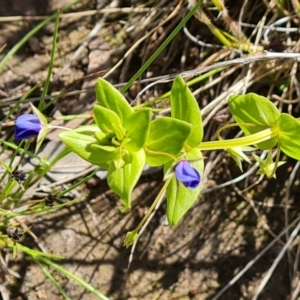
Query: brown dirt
[[193, 260]]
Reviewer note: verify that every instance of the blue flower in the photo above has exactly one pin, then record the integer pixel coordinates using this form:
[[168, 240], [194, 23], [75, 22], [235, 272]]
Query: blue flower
[[188, 175], [27, 126]]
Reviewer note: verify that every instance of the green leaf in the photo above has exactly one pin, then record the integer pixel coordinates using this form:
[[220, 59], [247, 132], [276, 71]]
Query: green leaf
[[105, 118], [108, 96], [167, 137], [108, 121], [131, 237], [41, 136], [180, 198], [185, 107], [238, 155], [39, 115], [288, 136], [267, 166], [81, 141], [123, 180], [137, 126], [44, 131], [256, 110]]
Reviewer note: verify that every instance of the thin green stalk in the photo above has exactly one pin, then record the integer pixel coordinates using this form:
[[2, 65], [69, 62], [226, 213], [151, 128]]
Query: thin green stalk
[[161, 47], [69, 274], [132, 236], [7, 191], [36, 210], [15, 147], [158, 197], [170, 156], [82, 181], [49, 165], [167, 95], [52, 279], [276, 160], [30, 34], [72, 117], [54, 42], [45, 258], [240, 142], [6, 242], [16, 106]]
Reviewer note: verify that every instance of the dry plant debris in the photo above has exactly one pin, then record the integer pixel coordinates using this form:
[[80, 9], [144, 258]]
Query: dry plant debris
[[237, 216]]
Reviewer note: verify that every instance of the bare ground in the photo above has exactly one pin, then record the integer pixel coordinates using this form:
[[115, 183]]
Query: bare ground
[[221, 234]]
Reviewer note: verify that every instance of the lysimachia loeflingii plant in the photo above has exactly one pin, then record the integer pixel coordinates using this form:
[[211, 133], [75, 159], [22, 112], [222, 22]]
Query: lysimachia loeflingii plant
[[124, 139]]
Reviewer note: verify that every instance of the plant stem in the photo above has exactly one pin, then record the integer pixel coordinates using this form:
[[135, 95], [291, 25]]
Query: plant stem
[[161, 47], [240, 142], [158, 197]]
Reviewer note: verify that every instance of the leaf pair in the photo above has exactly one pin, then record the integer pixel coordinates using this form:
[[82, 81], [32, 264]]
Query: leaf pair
[[116, 141], [184, 107], [255, 113], [123, 140]]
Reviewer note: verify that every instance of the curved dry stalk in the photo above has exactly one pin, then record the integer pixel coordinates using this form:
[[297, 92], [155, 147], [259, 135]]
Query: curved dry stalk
[[253, 261], [144, 226], [167, 78], [87, 13], [286, 211], [235, 180], [85, 43], [277, 260], [138, 42]]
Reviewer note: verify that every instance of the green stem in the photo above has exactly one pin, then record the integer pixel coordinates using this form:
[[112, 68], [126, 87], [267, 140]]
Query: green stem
[[46, 258], [161, 47], [72, 117], [166, 96], [52, 279], [71, 275], [27, 36], [170, 156], [276, 160], [158, 197], [240, 142], [58, 127], [47, 82]]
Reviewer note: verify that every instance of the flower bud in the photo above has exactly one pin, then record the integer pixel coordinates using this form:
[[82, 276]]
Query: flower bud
[[27, 126], [188, 175]]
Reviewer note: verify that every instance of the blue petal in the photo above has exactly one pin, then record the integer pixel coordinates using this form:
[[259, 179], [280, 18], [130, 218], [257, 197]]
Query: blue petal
[[27, 126], [28, 118], [188, 175]]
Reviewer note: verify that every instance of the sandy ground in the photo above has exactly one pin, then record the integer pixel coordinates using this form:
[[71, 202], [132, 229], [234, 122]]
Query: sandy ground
[[193, 260]]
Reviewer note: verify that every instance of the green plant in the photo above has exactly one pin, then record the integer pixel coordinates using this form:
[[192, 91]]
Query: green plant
[[116, 142]]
